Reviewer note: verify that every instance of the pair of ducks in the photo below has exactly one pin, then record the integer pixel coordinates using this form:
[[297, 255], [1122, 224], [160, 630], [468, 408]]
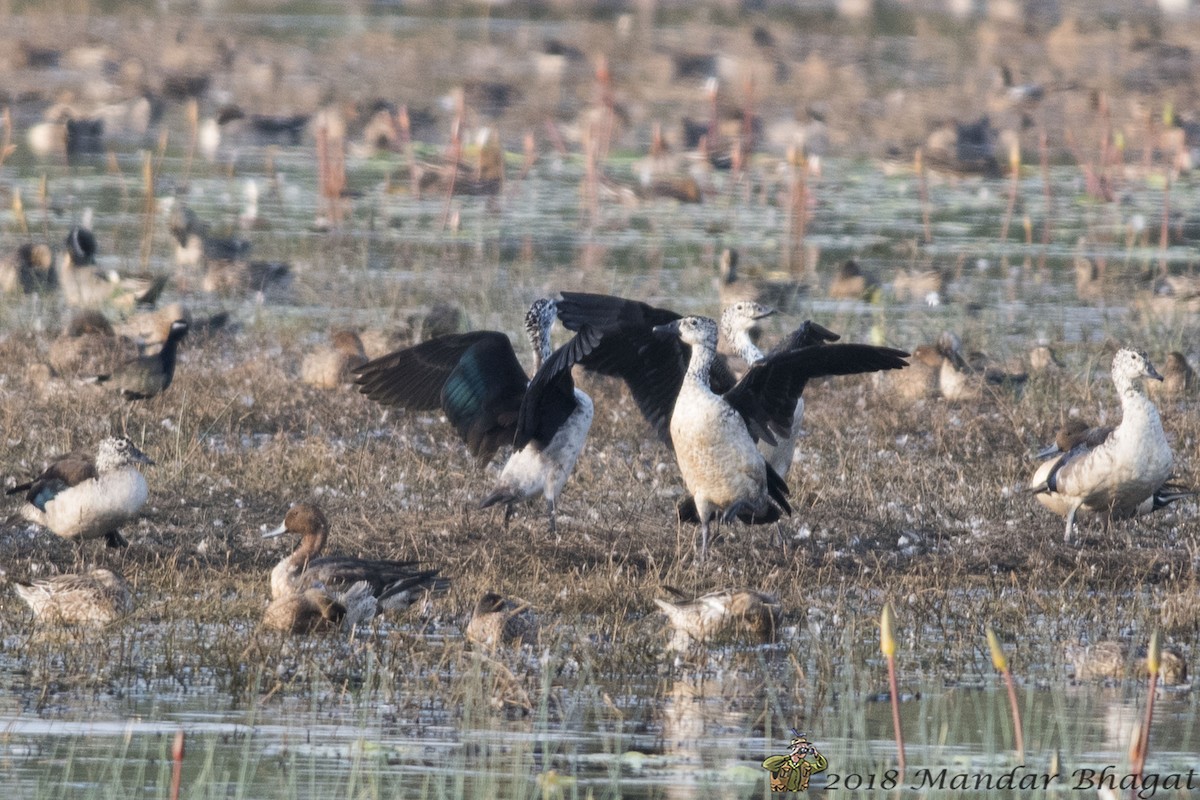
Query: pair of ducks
[[310, 592], [711, 420], [225, 264], [33, 269]]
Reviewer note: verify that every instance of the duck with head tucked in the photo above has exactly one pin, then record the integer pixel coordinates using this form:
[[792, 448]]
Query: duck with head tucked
[[497, 621], [1111, 472], [79, 496], [319, 608], [725, 614], [96, 597], [305, 566]]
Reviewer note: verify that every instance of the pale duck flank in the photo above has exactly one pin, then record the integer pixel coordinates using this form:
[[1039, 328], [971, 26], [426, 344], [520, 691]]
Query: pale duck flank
[[1120, 474]]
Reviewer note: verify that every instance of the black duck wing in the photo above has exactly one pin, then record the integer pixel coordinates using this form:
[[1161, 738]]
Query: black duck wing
[[475, 378], [766, 395], [651, 366], [342, 572], [550, 399], [808, 334], [406, 591], [63, 472]]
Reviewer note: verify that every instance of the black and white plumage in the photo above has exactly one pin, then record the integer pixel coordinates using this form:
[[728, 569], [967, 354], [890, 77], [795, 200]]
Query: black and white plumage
[[80, 496], [477, 381], [711, 422], [737, 321], [1121, 472], [83, 285], [148, 375]]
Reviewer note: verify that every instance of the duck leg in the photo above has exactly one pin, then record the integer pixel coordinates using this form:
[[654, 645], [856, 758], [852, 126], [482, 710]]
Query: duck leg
[[550, 513], [1070, 529], [115, 540]]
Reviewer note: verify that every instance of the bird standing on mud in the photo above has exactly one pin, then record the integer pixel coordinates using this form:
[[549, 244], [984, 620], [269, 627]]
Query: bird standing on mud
[[711, 423], [148, 375], [478, 383], [1114, 471], [81, 497]]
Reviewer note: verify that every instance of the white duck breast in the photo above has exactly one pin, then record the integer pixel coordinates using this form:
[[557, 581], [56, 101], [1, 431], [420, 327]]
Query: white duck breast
[[94, 507], [476, 380], [1120, 473], [78, 497]]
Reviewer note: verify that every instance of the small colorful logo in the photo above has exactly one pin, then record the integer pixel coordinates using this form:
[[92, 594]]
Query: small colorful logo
[[790, 773]]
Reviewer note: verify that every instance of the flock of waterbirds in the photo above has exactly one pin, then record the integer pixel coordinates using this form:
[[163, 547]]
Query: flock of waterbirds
[[729, 412]]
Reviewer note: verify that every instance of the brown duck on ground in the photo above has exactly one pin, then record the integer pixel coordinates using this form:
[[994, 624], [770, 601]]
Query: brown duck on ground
[[332, 366], [745, 615], [305, 566], [497, 621], [96, 598], [1179, 379], [919, 381], [967, 379], [151, 328], [734, 287], [852, 282], [89, 346], [918, 286]]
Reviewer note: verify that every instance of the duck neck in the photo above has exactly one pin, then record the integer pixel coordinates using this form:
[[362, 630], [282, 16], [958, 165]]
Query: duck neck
[[744, 346], [539, 340], [310, 547], [1138, 414], [700, 363], [170, 346]]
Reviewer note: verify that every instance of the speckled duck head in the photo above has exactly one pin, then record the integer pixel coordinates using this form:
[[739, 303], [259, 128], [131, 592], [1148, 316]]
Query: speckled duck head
[[117, 452], [1128, 366], [537, 325], [692, 331], [742, 317]]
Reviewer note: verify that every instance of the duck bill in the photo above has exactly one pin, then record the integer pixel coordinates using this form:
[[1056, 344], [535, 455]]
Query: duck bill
[[271, 534], [766, 312], [664, 331], [1151, 372]]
